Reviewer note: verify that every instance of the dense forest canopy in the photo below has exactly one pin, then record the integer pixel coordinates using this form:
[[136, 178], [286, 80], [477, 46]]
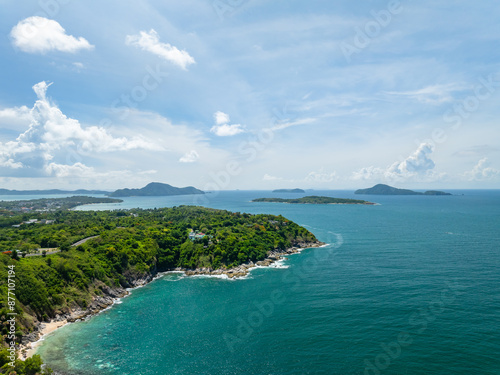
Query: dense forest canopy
[[312, 199]]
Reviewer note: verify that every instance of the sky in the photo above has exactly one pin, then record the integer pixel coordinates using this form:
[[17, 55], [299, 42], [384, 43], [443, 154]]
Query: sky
[[249, 94]]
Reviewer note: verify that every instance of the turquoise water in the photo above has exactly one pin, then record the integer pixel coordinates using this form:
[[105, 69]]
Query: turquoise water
[[410, 286]]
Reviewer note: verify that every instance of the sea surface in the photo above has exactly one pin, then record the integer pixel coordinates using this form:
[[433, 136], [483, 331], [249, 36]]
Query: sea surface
[[409, 286]]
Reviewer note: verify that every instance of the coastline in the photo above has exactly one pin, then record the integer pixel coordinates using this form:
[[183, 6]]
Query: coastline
[[32, 341]]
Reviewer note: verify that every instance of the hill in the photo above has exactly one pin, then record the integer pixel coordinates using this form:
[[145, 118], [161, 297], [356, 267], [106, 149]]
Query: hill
[[289, 191], [155, 189], [381, 189]]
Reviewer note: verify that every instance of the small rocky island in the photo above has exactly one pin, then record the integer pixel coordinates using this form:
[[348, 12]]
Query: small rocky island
[[382, 189], [298, 191], [313, 200]]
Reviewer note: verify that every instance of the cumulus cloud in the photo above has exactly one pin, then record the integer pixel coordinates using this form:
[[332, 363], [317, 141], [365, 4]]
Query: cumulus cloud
[[150, 42], [227, 130], [482, 171], [221, 118], [16, 118], [222, 128], [51, 133], [41, 35], [417, 163], [190, 157]]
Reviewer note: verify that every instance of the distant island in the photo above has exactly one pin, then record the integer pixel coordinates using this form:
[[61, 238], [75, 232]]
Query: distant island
[[382, 189], [289, 191], [155, 189], [313, 200], [50, 192]]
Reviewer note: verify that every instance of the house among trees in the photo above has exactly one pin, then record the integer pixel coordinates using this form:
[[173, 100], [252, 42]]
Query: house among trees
[[195, 235]]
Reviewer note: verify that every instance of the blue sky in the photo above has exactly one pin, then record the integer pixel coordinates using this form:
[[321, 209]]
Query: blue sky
[[249, 94]]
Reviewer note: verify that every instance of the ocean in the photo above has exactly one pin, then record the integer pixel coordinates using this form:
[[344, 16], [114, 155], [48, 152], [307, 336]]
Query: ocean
[[409, 286]]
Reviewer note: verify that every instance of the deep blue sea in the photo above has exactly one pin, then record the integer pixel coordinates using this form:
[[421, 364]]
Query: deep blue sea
[[409, 286]]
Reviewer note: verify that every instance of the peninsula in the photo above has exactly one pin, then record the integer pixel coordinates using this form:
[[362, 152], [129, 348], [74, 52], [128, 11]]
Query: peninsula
[[382, 189], [155, 189], [289, 191], [313, 200], [116, 250]]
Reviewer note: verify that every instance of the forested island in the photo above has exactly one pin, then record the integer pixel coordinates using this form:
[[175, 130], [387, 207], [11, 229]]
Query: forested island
[[381, 189], [126, 249], [155, 189], [289, 191], [313, 200]]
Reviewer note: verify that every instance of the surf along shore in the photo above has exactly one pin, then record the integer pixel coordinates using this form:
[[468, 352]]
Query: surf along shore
[[110, 296]]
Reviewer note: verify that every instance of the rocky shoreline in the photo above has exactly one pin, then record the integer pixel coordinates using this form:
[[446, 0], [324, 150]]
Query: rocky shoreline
[[243, 269], [111, 295]]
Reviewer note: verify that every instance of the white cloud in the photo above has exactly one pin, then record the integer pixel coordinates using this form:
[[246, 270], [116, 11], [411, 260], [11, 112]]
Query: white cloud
[[150, 42], [482, 171], [417, 163], [418, 166], [16, 118], [52, 129], [190, 157], [222, 127], [63, 170], [41, 35], [227, 130], [9, 163], [51, 134], [221, 118]]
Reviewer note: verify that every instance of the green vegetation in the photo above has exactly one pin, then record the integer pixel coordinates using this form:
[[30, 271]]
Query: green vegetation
[[312, 200], [155, 189], [32, 366], [129, 245], [382, 189], [50, 204]]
